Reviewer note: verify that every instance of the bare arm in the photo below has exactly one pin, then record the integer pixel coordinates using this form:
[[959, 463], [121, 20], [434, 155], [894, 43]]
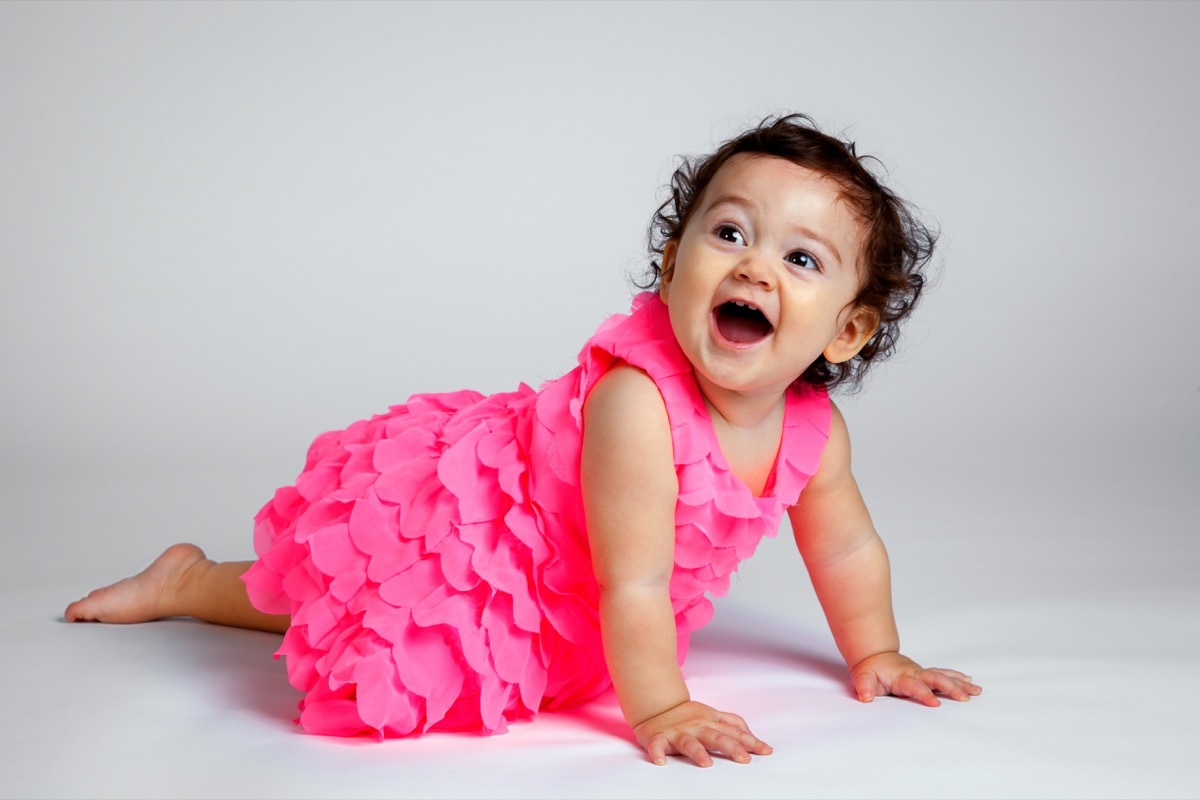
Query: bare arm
[[849, 568], [629, 495], [629, 492]]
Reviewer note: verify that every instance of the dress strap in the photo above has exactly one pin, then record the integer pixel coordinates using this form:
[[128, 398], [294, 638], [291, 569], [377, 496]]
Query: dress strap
[[805, 434], [644, 339]]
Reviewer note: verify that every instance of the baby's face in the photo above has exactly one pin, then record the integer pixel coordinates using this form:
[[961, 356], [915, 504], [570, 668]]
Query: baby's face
[[761, 281]]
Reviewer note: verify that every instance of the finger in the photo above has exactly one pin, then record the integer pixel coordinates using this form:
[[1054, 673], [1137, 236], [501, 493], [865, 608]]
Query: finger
[[866, 686], [691, 747], [914, 687], [754, 744], [949, 685], [965, 681], [747, 739], [718, 741], [656, 749]]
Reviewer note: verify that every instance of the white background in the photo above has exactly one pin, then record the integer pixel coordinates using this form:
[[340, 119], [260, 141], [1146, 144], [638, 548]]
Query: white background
[[227, 227]]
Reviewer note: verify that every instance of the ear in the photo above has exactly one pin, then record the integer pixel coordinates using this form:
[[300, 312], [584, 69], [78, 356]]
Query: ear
[[856, 330], [667, 273]]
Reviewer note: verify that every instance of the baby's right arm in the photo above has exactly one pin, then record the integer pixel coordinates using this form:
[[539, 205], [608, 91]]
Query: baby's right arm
[[629, 495]]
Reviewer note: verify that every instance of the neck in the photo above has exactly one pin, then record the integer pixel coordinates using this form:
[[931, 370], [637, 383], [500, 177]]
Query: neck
[[738, 409]]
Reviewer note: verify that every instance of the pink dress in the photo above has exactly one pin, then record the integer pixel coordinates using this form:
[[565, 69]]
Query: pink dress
[[434, 558]]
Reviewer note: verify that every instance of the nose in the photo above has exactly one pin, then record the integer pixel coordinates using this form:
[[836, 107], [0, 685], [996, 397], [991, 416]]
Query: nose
[[753, 269]]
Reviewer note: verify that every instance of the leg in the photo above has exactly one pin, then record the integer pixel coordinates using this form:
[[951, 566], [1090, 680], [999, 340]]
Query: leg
[[180, 582]]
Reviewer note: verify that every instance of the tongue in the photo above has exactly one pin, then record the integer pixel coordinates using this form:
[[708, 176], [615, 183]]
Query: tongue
[[741, 325]]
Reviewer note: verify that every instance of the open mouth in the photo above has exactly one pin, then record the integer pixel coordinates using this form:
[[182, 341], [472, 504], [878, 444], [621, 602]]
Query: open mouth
[[741, 323]]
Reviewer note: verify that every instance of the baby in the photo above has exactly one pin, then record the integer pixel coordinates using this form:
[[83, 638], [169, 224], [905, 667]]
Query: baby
[[462, 561]]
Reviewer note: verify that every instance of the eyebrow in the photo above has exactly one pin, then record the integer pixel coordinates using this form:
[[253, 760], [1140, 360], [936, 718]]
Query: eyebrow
[[738, 200]]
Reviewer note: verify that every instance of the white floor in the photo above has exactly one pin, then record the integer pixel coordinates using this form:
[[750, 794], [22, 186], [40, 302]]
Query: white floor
[[1079, 618]]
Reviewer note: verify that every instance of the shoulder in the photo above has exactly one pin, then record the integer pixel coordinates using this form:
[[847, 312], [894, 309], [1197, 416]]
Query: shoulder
[[626, 393], [626, 433], [627, 479]]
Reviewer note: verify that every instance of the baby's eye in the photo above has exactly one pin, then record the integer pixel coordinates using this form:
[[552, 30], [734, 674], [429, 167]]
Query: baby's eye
[[730, 234], [804, 260]]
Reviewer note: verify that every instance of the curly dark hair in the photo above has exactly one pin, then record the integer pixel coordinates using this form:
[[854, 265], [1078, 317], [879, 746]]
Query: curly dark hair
[[897, 245]]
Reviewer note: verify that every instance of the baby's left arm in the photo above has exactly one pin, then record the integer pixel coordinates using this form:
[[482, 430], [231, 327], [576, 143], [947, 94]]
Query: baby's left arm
[[849, 569]]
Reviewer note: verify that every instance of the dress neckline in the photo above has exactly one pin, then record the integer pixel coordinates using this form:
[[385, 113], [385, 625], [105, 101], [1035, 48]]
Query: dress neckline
[[770, 486]]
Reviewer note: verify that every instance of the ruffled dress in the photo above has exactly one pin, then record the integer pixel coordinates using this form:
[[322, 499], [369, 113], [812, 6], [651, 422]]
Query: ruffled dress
[[434, 558]]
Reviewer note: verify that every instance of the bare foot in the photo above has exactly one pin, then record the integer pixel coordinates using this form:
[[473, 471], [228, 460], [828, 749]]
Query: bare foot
[[151, 594]]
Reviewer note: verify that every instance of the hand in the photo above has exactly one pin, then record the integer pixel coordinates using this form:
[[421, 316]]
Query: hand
[[694, 730], [892, 673]]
